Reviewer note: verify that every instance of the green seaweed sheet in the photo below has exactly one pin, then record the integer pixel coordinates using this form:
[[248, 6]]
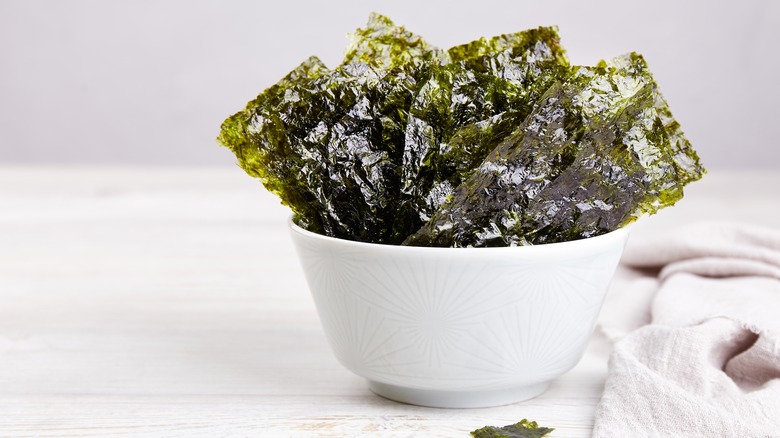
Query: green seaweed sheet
[[593, 156], [330, 143], [521, 429], [492, 143], [465, 108]]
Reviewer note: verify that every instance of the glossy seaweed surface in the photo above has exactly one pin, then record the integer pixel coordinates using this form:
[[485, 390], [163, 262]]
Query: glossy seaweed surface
[[521, 429], [498, 142]]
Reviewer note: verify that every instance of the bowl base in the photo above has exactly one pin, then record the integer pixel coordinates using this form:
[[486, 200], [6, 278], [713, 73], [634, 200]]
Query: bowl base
[[457, 399]]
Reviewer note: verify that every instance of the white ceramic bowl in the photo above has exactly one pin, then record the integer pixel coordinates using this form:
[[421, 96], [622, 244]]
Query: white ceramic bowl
[[458, 327]]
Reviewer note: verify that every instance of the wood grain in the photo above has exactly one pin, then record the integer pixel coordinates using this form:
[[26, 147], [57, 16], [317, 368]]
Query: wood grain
[[169, 302]]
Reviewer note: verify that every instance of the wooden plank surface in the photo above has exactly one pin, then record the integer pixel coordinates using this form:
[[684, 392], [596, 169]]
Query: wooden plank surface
[[169, 302]]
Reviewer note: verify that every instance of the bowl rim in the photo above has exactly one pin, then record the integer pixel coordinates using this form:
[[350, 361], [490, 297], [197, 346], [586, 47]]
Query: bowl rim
[[569, 245]]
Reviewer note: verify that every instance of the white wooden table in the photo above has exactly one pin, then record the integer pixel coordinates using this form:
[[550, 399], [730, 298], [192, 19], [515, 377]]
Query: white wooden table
[[169, 302]]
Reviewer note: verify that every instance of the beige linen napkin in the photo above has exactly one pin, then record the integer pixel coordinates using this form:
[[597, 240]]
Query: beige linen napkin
[[696, 320]]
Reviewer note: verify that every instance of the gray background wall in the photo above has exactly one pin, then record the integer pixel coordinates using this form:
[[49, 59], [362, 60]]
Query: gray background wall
[[148, 82]]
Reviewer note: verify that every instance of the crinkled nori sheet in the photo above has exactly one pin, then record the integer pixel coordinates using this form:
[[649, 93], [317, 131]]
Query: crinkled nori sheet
[[521, 429], [497, 142]]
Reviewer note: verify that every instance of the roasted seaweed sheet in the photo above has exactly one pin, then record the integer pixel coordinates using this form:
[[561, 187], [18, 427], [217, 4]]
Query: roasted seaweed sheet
[[498, 142]]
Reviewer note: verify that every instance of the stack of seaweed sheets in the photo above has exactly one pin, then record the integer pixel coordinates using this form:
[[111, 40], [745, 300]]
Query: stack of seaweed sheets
[[498, 142]]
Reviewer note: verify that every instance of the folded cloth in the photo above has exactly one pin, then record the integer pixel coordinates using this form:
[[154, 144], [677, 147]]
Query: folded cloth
[[696, 320]]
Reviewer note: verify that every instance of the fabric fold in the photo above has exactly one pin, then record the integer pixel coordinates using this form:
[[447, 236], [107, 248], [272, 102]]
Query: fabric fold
[[696, 320]]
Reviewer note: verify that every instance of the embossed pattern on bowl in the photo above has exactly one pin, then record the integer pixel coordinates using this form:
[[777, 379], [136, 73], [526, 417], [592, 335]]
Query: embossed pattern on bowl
[[458, 327]]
